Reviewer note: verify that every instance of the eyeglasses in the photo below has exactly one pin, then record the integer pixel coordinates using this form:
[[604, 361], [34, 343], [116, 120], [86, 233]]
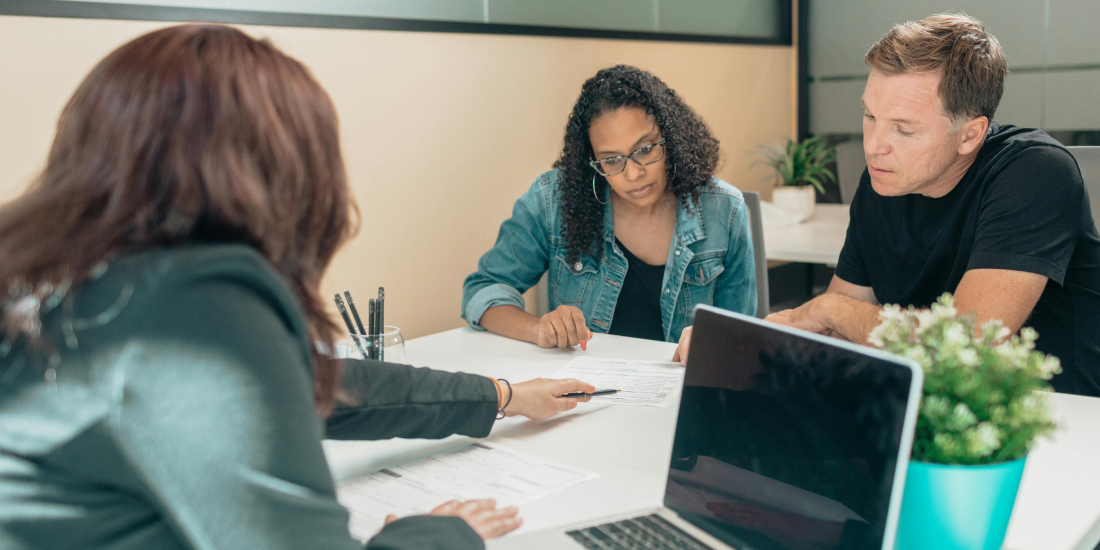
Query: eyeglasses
[[642, 157]]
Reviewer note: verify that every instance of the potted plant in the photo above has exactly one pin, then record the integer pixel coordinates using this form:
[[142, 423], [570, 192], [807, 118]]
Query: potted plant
[[979, 415], [796, 167]]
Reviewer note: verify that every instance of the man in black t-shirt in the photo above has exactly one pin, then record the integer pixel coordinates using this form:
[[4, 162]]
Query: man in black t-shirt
[[953, 202]]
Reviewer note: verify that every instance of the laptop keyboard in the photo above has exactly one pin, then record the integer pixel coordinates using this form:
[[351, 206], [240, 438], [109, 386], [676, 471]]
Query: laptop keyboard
[[642, 533]]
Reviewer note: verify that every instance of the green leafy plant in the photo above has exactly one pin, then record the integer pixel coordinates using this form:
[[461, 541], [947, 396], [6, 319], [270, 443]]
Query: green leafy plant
[[798, 163], [979, 404]]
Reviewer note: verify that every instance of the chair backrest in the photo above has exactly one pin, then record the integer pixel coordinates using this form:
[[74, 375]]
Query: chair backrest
[[1088, 158], [850, 164], [756, 226]]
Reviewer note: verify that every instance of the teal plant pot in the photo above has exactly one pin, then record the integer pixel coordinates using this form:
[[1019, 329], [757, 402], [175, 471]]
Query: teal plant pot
[[957, 507]]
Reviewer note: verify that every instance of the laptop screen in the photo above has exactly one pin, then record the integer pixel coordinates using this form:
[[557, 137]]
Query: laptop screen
[[785, 442]]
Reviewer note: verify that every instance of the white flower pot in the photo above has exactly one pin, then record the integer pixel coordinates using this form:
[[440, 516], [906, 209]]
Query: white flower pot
[[796, 201]]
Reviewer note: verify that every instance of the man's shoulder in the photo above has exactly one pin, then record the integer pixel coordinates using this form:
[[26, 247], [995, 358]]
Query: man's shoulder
[[1019, 158], [1007, 143], [1020, 135]]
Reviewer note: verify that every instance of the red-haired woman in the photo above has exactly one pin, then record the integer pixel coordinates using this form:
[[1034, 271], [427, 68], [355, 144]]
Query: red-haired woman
[[159, 381]]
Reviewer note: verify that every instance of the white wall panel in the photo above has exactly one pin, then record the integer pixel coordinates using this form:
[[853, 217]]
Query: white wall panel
[[1072, 100], [1074, 25], [1022, 101], [841, 31]]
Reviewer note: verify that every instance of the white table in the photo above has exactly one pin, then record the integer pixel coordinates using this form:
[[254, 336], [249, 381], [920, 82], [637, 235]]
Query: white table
[[817, 240], [1058, 507]]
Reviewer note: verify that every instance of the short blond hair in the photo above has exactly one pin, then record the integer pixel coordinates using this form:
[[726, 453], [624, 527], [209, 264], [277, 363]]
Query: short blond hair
[[956, 45]]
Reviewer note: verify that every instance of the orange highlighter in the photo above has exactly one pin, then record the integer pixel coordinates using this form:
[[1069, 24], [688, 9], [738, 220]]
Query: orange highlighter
[[584, 343]]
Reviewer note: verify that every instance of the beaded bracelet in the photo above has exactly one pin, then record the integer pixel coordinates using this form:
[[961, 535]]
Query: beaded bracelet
[[500, 411]]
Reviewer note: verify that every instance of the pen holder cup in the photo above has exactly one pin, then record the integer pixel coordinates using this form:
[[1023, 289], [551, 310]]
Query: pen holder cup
[[389, 346]]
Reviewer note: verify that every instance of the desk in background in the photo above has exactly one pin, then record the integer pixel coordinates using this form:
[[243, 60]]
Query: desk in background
[[1057, 507], [817, 240]]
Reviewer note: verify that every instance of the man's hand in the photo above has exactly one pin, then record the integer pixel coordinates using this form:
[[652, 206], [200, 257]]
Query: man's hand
[[846, 311], [801, 317]]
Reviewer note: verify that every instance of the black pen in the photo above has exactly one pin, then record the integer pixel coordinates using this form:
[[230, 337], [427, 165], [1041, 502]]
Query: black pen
[[351, 329], [580, 394]]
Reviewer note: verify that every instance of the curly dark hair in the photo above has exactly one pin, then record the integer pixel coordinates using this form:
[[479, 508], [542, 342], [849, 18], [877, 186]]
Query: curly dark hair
[[691, 152]]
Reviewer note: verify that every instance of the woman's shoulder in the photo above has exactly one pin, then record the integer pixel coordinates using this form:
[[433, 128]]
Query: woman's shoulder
[[198, 314], [186, 283], [131, 308], [718, 190], [543, 197], [160, 270], [169, 265], [718, 199], [548, 184]]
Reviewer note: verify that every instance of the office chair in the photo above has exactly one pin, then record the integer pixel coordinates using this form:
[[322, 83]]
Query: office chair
[[850, 164], [756, 226], [1088, 159]]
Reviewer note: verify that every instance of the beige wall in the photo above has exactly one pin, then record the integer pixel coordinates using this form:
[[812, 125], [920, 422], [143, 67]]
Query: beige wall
[[441, 132]]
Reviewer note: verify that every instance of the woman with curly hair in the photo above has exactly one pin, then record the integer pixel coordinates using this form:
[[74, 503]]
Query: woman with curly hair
[[631, 225]]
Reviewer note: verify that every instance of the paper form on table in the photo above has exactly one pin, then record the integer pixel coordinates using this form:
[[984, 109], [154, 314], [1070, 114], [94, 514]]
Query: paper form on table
[[643, 383]]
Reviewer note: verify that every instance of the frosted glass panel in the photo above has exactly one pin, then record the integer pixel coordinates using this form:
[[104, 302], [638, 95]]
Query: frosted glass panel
[[707, 19], [622, 15], [719, 17], [444, 10]]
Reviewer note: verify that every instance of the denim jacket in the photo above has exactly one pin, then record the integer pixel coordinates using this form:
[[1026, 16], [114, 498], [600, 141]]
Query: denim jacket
[[710, 261]]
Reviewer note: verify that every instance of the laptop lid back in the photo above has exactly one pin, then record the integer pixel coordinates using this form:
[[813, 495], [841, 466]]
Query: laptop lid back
[[788, 440]]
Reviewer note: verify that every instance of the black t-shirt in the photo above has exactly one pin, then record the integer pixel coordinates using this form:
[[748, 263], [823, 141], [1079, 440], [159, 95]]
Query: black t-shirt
[[638, 310], [1021, 206]]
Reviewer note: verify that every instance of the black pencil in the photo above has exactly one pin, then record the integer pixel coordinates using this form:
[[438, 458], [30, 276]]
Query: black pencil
[[371, 328], [355, 313], [381, 322], [351, 329]]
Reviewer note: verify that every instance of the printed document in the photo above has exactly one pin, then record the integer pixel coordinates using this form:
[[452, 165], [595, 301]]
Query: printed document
[[474, 471], [643, 383]]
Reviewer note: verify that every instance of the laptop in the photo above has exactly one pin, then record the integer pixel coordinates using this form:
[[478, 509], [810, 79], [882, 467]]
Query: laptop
[[785, 440]]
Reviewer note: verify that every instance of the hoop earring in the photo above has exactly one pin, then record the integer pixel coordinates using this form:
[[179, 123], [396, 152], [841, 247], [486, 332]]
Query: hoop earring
[[594, 190]]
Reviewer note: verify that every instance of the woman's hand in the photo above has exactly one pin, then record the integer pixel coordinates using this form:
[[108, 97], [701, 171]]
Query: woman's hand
[[681, 354], [563, 328], [482, 516], [542, 397]]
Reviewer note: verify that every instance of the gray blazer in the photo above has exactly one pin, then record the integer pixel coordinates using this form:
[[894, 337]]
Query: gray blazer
[[177, 413]]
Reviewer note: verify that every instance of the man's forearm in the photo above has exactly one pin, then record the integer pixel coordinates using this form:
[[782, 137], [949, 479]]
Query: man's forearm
[[848, 318]]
